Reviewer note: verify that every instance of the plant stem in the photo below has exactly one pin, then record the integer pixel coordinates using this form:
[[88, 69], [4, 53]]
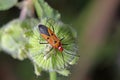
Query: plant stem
[[38, 8], [53, 75], [26, 6]]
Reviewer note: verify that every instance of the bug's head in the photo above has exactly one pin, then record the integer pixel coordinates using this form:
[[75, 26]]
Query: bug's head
[[60, 48]]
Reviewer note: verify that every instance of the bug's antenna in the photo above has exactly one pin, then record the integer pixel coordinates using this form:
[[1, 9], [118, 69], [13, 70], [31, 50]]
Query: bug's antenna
[[72, 54], [50, 23], [46, 21], [62, 39]]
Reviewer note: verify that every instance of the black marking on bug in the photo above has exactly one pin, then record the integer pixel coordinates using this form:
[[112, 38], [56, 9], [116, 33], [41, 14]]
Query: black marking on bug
[[43, 29], [55, 41], [52, 34], [47, 37]]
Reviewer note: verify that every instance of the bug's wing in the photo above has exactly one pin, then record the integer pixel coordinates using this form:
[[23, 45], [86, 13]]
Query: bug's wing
[[43, 30]]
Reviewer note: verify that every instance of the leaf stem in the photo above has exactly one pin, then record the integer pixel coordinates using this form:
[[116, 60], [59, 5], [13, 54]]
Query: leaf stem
[[53, 75], [38, 8]]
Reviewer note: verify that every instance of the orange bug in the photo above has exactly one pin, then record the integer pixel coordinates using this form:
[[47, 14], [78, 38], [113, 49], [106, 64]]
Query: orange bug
[[50, 37]]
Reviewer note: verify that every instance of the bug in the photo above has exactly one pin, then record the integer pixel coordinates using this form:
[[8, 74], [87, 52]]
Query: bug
[[52, 39]]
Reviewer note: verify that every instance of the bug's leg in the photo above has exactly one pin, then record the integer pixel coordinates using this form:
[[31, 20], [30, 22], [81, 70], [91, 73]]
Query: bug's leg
[[62, 39], [55, 52], [47, 54], [50, 23], [42, 43], [52, 27], [64, 44], [48, 19], [50, 49]]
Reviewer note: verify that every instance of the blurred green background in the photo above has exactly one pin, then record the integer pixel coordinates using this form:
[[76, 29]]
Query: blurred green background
[[98, 27]]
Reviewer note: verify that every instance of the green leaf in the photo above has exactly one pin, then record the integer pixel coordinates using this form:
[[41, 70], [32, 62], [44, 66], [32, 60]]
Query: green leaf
[[37, 70], [64, 72], [44, 10], [13, 39], [6, 4]]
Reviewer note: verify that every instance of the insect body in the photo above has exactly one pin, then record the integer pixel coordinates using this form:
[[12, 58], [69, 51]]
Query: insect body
[[50, 37]]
